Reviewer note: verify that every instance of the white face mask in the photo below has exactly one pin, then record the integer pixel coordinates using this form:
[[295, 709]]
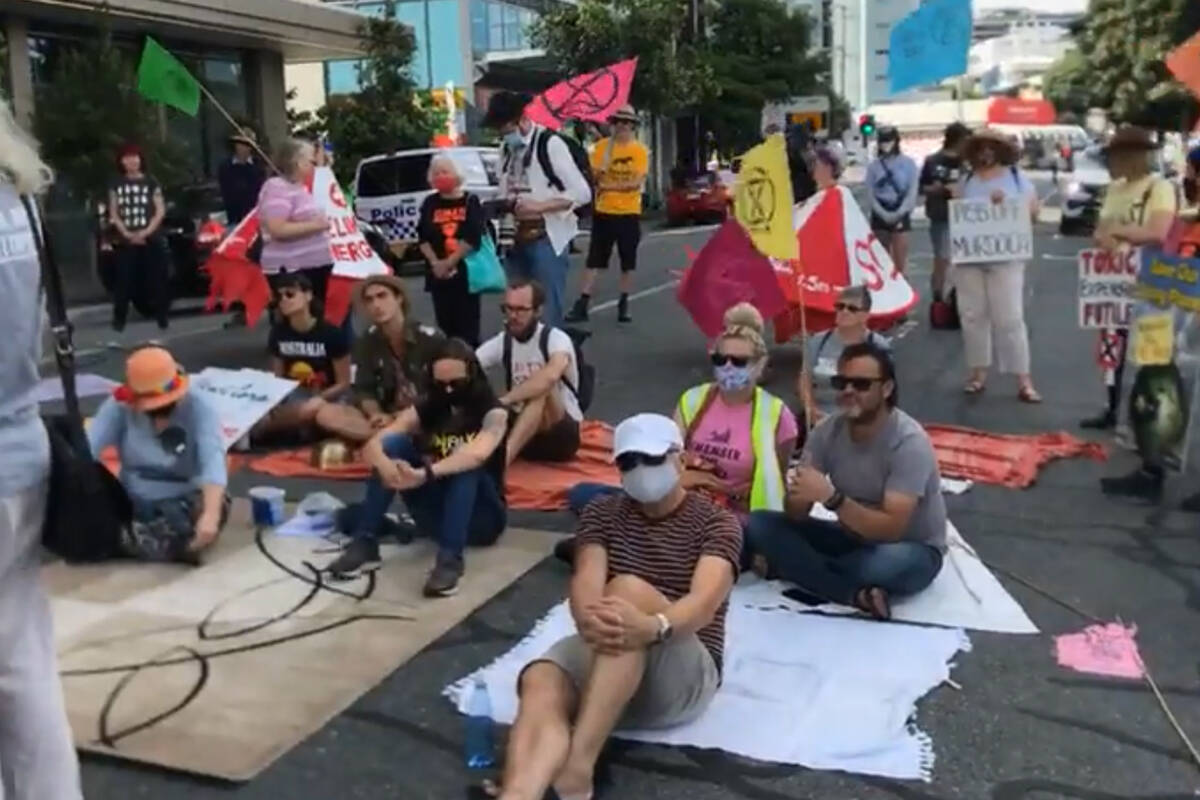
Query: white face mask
[[650, 484]]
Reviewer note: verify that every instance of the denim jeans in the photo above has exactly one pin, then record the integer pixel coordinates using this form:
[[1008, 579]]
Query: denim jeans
[[579, 495], [460, 509], [537, 260], [830, 562]]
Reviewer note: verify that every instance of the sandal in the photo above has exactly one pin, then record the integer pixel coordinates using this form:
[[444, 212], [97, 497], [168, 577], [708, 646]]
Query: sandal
[[1028, 394], [974, 387], [874, 601]]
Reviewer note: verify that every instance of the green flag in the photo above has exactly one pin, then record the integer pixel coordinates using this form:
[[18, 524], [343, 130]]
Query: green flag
[[162, 78]]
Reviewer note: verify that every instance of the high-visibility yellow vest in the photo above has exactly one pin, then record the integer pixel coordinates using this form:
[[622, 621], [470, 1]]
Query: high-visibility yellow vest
[[766, 490]]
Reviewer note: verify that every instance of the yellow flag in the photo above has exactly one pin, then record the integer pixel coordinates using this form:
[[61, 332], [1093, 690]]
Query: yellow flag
[[762, 199], [1154, 339]]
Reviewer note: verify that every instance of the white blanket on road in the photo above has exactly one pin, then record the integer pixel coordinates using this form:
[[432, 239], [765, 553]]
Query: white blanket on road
[[821, 692]]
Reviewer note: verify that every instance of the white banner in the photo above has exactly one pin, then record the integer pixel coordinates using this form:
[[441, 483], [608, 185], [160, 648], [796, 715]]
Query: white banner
[[982, 231], [352, 256], [1106, 281], [241, 397]]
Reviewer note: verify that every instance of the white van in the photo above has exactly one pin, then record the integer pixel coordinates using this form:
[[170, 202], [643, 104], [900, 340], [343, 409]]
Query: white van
[[1038, 144], [389, 189]]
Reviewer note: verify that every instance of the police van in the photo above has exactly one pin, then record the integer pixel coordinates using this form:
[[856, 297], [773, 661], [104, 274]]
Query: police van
[[389, 189]]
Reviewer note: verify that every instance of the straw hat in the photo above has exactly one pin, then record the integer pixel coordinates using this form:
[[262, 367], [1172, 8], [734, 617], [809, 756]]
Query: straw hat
[[624, 114], [1131, 137], [153, 380], [1002, 143], [245, 136]]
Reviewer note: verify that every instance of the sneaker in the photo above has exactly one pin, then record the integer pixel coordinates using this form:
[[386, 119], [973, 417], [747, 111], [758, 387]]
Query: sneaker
[[623, 310], [578, 312], [1138, 484], [360, 557], [443, 579], [1101, 422]]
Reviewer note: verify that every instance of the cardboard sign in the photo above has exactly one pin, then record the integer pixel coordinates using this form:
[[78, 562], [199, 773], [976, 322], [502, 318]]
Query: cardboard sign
[[241, 397], [1154, 339], [984, 232], [351, 255], [1169, 280], [1106, 287]]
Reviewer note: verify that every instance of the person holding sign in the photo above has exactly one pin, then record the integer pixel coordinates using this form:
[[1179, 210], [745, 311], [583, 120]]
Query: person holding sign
[[991, 293], [295, 229]]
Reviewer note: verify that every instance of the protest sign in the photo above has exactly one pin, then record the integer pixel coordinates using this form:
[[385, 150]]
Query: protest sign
[[1106, 284], [1169, 280], [982, 231], [929, 44], [241, 397], [1154, 339]]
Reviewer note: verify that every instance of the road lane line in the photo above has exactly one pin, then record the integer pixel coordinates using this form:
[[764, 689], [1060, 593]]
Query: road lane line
[[607, 304]]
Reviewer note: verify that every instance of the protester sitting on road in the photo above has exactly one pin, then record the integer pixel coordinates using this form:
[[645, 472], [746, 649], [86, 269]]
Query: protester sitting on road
[[852, 309], [135, 210], [649, 597], [544, 185], [450, 227], [445, 455], [875, 468], [390, 361], [306, 349], [893, 181], [295, 231], [541, 378], [939, 179], [620, 163], [168, 441], [991, 296]]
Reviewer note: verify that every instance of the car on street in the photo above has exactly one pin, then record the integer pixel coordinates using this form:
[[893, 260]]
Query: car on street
[[1082, 191], [705, 198]]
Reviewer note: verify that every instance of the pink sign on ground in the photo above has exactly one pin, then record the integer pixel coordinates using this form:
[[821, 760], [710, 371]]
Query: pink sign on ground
[[1101, 650]]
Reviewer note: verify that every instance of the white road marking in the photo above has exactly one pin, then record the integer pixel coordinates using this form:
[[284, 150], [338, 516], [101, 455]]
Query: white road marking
[[607, 304], [1058, 257]]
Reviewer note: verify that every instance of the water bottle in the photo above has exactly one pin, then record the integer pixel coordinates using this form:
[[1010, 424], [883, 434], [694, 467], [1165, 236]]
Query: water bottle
[[480, 745]]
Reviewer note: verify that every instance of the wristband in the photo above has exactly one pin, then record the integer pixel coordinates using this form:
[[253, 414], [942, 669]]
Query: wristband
[[835, 501]]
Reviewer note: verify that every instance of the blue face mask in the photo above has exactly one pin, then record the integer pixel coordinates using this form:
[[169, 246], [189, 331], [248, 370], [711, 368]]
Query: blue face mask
[[514, 139], [731, 378]]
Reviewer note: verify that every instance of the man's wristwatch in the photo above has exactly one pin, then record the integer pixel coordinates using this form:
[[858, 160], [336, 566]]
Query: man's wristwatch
[[835, 500], [664, 629]]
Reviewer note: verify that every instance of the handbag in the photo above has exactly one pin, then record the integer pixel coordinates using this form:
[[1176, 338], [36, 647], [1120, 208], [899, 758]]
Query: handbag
[[87, 508], [484, 272]]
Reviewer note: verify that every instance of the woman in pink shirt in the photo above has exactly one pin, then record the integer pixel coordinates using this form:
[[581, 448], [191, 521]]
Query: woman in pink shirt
[[295, 230]]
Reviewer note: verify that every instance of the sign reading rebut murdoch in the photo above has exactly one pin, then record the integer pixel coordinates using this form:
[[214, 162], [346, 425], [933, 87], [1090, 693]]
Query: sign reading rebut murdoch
[[982, 231]]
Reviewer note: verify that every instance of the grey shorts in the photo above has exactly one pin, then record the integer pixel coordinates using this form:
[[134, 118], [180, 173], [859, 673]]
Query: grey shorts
[[939, 236], [679, 682]]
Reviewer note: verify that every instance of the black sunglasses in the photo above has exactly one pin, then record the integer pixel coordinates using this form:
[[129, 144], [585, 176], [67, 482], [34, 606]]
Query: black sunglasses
[[840, 382], [456, 385], [627, 462], [507, 309], [721, 359], [846, 307], [288, 294]]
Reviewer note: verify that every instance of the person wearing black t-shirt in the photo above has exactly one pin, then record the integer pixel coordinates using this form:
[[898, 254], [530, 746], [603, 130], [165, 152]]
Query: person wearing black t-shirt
[[135, 210], [450, 228], [306, 349], [939, 176], [446, 457]]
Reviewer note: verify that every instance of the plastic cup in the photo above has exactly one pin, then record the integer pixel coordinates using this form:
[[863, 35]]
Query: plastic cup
[[266, 505]]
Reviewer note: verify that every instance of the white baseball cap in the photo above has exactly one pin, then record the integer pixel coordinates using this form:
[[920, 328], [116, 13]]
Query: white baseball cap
[[652, 434]]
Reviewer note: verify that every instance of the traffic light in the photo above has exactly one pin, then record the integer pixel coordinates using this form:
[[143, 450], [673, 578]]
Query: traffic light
[[866, 125]]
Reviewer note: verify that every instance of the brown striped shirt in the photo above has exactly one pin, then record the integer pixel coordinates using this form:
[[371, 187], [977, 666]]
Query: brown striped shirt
[[664, 552]]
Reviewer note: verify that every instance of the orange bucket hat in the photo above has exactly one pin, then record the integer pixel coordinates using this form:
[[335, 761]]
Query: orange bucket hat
[[152, 380]]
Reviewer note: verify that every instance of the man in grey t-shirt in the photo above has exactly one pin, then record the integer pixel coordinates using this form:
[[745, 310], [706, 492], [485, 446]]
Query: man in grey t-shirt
[[874, 467]]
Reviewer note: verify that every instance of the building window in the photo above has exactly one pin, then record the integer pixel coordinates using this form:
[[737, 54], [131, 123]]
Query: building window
[[499, 26]]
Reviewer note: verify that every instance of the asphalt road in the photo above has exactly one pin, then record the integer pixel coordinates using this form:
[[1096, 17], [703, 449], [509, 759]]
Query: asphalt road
[[1021, 728]]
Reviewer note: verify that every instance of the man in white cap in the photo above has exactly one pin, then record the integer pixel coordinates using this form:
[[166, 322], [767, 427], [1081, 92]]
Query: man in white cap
[[653, 573]]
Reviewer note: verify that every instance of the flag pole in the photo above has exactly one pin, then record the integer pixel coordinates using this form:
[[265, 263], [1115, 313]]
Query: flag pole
[[217, 104]]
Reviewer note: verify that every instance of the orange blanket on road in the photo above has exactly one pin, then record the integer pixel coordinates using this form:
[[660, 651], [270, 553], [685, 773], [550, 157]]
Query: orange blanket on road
[[1004, 460], [529, 486]]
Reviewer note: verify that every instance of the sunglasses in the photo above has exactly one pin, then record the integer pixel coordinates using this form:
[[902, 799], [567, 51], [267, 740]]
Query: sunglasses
[[288, 294], [840, 382], [721, 359], [453, 386], [507, 309], [627, 462], [846, 307]]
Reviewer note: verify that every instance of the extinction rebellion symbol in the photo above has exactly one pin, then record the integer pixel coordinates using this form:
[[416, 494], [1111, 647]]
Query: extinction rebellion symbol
[[755, 199]]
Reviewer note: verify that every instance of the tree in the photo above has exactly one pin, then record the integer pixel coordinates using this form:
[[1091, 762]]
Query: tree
[[672, 75], [1067, 84], [756, 51], [90, 108], [387, 113]]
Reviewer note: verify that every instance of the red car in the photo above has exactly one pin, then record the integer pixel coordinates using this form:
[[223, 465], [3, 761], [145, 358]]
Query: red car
[[707, 198]]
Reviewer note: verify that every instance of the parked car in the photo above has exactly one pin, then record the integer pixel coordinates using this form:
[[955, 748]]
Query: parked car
[[1083, 190], [389, 190], [706, 198]]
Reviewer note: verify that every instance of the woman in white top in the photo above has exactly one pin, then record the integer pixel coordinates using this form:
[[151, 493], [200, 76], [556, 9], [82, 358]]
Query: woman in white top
[[991, 294]]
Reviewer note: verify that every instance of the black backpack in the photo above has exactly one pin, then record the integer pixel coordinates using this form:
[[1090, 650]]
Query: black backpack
[[587, 373], [579, 155]]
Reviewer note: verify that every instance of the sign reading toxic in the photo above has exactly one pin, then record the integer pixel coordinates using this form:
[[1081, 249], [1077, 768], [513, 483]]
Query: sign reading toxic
[[983, 232], [1106, 287]]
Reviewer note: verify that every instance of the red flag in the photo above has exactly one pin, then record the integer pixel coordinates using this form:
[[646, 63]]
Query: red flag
[[727, 271], [1184, 63], [233, 277], [594, 96]]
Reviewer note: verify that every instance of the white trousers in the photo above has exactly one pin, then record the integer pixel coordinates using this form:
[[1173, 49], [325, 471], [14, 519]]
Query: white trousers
[[37, 758], [991, 302]]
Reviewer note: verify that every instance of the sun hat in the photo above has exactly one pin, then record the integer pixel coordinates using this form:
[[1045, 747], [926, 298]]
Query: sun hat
[[153, 379], [650, 434], [1131, 137], [245, 136], [1002, 143], [625, 113]]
